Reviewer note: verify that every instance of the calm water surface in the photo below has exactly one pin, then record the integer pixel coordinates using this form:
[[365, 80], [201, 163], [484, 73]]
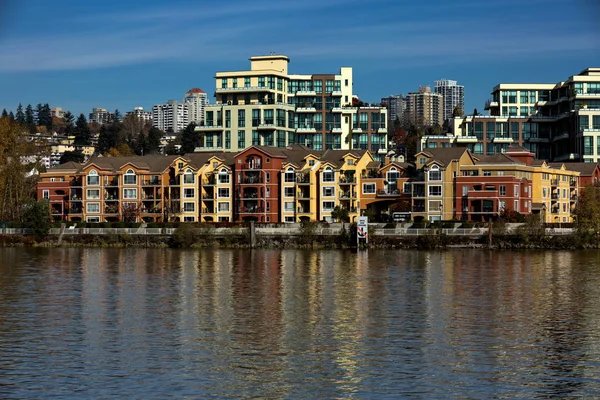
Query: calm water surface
[[145, 324]]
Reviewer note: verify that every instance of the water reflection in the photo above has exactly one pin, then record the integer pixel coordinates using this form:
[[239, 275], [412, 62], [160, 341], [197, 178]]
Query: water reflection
[[290, 324]]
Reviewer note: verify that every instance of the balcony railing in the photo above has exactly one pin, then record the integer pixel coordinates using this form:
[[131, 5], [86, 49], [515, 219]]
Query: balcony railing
[[251, 210]]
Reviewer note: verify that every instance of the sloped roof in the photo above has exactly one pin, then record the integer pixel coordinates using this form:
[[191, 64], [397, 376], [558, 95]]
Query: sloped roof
[[581, 167], [66, 166], [498, 159], [538, 163], [201, 158], [152, 163], [336, 157], [445, 155], [196, 90]]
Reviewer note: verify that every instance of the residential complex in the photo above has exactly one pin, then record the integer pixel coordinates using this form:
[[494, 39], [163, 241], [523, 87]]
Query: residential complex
[[267, 106], [140, 113], [296, 183], [100, 116], [57, 112], [425, 108], [453, 95], [196, 101], [172, 116]]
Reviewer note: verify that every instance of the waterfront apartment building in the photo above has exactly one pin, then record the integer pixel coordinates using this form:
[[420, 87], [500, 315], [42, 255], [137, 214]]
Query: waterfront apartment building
[[268, 106], [171, 116], [140, 113], [425, 108], [100, 116], [396, 106], [566, 114], [453, 95], [196, 101]]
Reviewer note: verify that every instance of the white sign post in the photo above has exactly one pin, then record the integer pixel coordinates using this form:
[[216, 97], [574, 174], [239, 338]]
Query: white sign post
[[362, 230]]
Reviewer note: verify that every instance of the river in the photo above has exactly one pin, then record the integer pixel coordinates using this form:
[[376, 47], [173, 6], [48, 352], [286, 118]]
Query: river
[[161, 323]]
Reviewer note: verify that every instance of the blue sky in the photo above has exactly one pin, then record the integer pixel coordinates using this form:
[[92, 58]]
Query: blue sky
[[120, 54]]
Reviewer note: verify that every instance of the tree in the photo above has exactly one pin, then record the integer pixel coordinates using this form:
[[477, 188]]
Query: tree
[[44, 116], [4, 113], [107, 137], [475, 112], [20, 116], [153, 140], [130, 212], [189, 139], [36, 216], [170, 149], [11, 116], [117, 116], [75, 156], [340, 214], [457, 112], [587, 211], [82, 131], [68, 122], [29, 115]]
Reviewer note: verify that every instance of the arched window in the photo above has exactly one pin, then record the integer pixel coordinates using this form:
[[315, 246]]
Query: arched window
[[93, 179], [129, 178], [290, 175], [189, 177], [328, 175], [391, 178], [223, 176], [435, 174]]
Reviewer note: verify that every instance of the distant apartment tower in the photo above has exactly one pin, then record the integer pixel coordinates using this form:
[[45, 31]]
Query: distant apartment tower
[[395, 108], [139, 112], [196, 100], [57, 112], [170, 116], [453, 94], [425, 108], [100, 116]]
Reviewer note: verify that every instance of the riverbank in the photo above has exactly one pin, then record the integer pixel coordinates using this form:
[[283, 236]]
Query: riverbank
[[343, 240]]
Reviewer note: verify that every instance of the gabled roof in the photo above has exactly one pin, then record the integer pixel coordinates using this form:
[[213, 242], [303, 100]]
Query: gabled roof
[[201, 158], [151, 163], [585, 169], [444, 155], [71, 165], [498, 159], [539, 163], [396, 164]]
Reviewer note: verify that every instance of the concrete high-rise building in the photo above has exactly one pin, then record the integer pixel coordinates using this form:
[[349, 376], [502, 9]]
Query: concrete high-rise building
[[196, 100], [268, 106], [170, 116], [57, 112], [139, 112], [453, 94], [425, 108], [100, 116], [395, 108]]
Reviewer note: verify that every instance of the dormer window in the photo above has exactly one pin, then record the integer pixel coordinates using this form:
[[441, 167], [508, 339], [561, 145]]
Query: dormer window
[[328, 175], [130, 177], [223, 176], [290, 176], [93, 179], [311, 163], [350, 161]]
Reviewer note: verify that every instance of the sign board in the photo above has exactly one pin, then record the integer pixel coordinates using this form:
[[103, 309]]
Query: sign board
[[362, 228]]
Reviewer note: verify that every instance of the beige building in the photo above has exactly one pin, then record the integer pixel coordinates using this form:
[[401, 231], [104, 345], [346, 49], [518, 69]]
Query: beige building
[[425, 108], [267, 106]]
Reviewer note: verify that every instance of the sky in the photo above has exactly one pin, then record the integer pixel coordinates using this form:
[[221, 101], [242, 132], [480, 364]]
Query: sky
[[119, 54]]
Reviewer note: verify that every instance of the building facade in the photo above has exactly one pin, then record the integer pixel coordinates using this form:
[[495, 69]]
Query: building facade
[[267, 106], [100, 116], [196, 101], [140, 113], [453, 95], [171, 116], [396, 105], [425, 108]]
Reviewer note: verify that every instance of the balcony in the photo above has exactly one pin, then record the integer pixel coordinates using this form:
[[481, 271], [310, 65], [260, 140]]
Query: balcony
[[503, 139], [303, 180], [111, 182], [76, 183], [347, 181], [491, 104], [152, 182], [389, 193], [303, 196], [267, 126], [206, 128], [348, 195], [251, 180], [251, 210], [562, 136], [466, 139], [242, 89], [251, 165], [554, 182]]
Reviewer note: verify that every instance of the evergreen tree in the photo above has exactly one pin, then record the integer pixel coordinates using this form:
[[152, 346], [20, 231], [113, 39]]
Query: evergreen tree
[[117, 116], [108, 137], [20, 116], [45, 118], [153, 140], [82, 131], [75, 156], [11, 116], [4, 113], [38, 113], [189, 139], [29, 115], [68, 120]]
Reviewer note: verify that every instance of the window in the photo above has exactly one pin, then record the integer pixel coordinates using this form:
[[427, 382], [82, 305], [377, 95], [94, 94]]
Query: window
[[93, 194], [487, 173], [223, 176], [288, 192], [328, 191], [241, 118], [224, 83], [223, 206], [130, 178], [516, 205], [261, 81], [435, 174], [130, 193], [93, 179], [223, 192], [189, 219], [188, 193], [328, 175], [289, 206], [268, 177], [517, 191], [93, 219], [241, 140], [289, 219], [350, 161], [311, 163], [223, 219], [46, 194], [501, 205], [247, 82], [268, 206], [189, 177], [544, 192], [368, 188], [227, 118], [435, 190], [502, 190], [93, 208], [328, 205], [465, 190], [189, 207], [289, 176]]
